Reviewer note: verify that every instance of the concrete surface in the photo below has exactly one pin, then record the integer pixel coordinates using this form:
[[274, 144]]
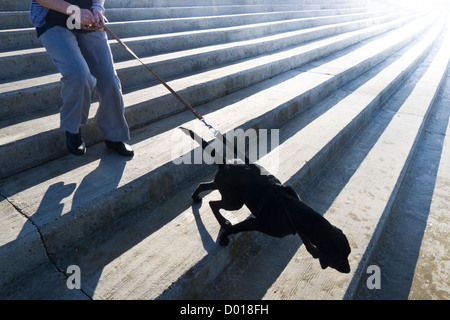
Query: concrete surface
[[349, 84]]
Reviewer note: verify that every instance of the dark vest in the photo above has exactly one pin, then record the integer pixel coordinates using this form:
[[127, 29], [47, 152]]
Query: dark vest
[[55, 18]]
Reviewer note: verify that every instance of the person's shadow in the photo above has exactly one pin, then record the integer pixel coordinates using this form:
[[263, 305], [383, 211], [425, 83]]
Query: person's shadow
[[106, 176], [27, 251]]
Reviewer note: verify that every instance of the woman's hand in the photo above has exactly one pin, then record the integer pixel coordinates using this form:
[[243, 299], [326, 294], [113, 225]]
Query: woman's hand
[[99, 17], [91, 20], [86, 19]]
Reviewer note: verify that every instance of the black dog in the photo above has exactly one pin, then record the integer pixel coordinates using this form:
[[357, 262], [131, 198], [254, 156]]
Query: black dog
[[277, 209]]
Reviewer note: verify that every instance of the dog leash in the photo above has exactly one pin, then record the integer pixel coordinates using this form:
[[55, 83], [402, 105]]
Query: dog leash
[[100, 25], [215, 132]]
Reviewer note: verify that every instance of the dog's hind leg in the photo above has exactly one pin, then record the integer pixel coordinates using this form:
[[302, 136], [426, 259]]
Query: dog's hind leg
[[231, 200], [203, 187], [215, 207], [251, 224]]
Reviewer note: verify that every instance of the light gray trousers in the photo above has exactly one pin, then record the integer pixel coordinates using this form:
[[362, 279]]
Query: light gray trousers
[[85, 63]]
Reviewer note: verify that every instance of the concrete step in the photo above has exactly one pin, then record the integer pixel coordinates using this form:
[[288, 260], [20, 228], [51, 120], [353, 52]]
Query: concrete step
[[24, 96], [431, 270], [17, 5], [162, 3], [20, 19], [36, 60], [413, 245], [12, 70], [147, 105], [136, 14], [25, 38], [15, 20], [81, 196], [335, 191], [369, 195]]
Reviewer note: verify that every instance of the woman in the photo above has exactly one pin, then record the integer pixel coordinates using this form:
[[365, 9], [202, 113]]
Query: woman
[[84, 59]]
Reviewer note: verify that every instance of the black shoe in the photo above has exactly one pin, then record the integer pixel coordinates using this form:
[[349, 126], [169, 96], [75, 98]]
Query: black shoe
[[120, 147], [75, 143]]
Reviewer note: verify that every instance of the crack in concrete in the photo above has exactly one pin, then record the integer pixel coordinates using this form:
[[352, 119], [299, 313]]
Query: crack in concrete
[[41, 238]]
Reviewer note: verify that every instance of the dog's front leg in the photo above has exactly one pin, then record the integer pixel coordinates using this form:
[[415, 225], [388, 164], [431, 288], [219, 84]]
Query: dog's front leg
[[203, 187]]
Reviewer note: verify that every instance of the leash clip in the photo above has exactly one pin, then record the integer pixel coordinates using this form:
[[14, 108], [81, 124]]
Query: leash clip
[[211, 128]]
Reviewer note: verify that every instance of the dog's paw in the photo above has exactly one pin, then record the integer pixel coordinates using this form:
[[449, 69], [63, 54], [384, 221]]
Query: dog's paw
[[196, 199], [224, 241]]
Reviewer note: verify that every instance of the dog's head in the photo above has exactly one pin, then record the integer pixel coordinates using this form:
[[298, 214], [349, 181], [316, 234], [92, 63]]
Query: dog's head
[[322, 239], [335, 251]]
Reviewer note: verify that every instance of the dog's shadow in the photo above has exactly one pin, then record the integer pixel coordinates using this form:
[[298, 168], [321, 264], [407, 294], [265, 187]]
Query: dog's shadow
[[207, 241], [284, 249]]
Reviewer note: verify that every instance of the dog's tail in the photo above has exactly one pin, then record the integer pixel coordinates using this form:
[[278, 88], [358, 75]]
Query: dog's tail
[[197, 138], [204, 144]]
